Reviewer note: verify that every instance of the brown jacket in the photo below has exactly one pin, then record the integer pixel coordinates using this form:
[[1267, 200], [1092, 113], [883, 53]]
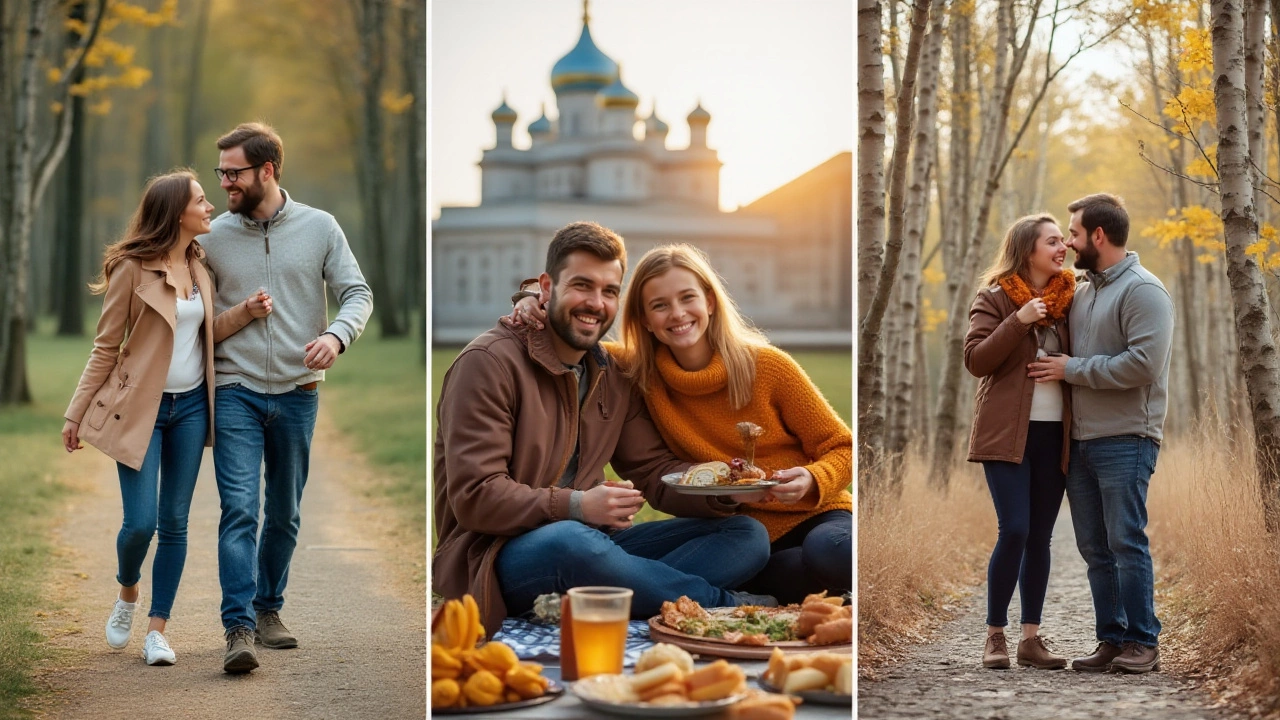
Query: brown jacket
[[997, 350], [118, 397], [505, 430]]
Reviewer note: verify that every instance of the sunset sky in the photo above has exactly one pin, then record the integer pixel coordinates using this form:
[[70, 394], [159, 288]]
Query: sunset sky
[[777, 78]]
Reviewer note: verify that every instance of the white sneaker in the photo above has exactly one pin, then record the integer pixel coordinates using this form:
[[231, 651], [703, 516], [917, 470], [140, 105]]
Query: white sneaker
[[156, 650], [119, 624]]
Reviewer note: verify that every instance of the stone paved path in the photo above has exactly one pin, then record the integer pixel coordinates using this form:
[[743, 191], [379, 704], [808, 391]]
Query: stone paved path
[[945, 679]]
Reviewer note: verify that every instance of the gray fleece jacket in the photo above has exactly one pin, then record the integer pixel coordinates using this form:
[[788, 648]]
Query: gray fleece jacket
[[1121, 343], [301, 250]]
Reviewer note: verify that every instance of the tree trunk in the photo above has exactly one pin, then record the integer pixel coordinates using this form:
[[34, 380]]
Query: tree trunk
[[1258, 357], [157, 150], [372, 162], [195, 78], [69, 278], [871, 145], [916, 219]]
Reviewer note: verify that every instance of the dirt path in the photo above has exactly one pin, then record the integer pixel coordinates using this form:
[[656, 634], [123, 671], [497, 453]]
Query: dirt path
[[360, 621], [945, 679]]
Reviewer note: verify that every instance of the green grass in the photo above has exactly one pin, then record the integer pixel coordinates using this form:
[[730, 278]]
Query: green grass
[[377, 395], [830, 370], [30, 448]]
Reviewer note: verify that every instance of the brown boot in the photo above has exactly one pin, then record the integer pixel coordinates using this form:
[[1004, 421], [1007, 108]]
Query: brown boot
[[1032, 652], [996, 653], [1137, 658], [1099, 661]]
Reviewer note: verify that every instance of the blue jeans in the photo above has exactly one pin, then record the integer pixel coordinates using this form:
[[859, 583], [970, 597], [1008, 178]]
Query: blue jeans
[[1107, 489], [813, 556], [1027, 498], [660, 561], [157, 497], [252, 429]]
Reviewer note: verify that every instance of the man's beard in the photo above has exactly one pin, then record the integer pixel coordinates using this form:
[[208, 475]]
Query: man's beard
[[250, 198], [562, 323], [1087, 259]]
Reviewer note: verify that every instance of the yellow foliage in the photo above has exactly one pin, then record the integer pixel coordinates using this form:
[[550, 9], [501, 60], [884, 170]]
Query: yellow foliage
[[1194, 103], [1160, 14], [55, 75], [1273, 263], [1205, 259], [1197, 50], [100, 108], [396, 104], [933, 276], [1257, 250], [1268, 232], [55, 107], [932, 318]]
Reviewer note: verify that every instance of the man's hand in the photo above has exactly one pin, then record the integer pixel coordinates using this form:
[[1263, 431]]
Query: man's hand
[[1049, 368], [611, 505], [71, 436], [796, 485], [321, 352]]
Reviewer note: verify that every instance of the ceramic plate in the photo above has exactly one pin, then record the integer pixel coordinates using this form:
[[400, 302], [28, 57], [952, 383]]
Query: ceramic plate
[[554, 690], [673, 481], [583, 689], [817, 697]]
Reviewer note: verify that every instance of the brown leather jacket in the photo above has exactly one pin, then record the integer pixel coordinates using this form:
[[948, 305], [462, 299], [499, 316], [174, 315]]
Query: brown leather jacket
[[505, 430], [118, 396], [997, 350]]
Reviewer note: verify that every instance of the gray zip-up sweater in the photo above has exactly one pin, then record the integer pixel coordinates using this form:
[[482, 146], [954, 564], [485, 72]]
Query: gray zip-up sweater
[[301, 250], [1121, 342]]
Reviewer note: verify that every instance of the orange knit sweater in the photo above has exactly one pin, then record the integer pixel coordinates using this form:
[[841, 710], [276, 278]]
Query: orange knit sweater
[[692, 412]]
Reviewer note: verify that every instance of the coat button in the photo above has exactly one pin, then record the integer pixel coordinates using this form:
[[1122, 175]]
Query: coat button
[[117, 417]]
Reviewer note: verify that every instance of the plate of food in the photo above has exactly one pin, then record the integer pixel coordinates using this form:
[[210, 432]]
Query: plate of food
[[739, 475], [665, 684], [822, 678], [752, 632], [468, 677]]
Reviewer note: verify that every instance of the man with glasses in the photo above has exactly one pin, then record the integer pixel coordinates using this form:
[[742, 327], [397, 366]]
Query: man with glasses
[[267, 376]]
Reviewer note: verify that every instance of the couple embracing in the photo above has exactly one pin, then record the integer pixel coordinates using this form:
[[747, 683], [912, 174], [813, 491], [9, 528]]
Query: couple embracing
[[530, 413], [182, 360], [1072, 396]]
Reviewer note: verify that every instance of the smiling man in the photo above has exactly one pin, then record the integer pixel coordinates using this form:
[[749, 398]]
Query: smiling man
[[267, 376], [527, 420], [1121, 343]]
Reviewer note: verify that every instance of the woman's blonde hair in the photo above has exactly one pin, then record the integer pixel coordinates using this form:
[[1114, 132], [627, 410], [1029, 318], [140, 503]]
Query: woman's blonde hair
[[727, 331], [1016, 248], [155, 226]]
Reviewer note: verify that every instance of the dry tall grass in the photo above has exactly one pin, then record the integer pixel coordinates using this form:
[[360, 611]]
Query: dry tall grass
[[1219, 571], [917, 553]]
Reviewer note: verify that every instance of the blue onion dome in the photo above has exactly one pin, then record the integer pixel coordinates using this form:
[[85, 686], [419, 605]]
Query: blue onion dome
[[653, 124], [504, 113], [699, 115], [542, 125], [585, 67], [616, 95]]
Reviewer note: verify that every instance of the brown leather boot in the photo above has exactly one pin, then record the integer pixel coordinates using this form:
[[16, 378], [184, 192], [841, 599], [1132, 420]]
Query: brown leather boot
[[1032, 652], [1137, 658], [1099, 660], [996, 653]]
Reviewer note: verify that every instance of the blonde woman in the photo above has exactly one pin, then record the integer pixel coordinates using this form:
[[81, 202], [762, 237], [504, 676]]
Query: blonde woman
[[1020, 314], [146, 395], [702, 369]]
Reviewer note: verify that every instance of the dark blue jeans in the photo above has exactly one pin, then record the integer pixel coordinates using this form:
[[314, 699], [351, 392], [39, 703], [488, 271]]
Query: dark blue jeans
[[253, 430], [1107, 489], [660, 561], [157, 497], [1027, 496], [815, 555]]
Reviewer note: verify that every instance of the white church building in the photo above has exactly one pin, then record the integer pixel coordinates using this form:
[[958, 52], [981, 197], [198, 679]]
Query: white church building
[[591, 163]]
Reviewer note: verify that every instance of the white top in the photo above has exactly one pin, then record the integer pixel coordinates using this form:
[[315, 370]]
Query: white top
[[1046, 400], [186, 367]]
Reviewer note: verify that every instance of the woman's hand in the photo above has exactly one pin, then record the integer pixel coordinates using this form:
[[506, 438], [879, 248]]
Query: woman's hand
[[71, 436], [1034, 310], [796, 484], [526, 312], [259, 304]]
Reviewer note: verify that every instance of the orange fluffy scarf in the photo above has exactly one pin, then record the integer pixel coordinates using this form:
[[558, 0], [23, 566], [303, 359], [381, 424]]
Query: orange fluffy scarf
[[1057, 294]]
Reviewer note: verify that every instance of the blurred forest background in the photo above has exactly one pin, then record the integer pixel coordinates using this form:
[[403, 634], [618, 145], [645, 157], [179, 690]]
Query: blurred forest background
[[973, 113]]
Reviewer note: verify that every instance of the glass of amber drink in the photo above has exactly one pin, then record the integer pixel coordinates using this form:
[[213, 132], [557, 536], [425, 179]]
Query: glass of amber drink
[[599, 620]]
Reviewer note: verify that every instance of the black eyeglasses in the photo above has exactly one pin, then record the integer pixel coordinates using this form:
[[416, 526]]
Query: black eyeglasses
[[233, 174]]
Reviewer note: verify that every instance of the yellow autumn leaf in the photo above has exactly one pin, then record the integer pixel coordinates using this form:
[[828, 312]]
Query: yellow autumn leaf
[[1197, 50], [1257, 249]]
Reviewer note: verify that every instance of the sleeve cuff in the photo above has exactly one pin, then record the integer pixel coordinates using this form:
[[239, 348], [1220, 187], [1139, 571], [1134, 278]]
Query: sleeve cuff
[[575, 505]]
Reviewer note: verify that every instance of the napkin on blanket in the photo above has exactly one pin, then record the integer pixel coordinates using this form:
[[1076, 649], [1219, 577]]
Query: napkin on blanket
[[538, 643]]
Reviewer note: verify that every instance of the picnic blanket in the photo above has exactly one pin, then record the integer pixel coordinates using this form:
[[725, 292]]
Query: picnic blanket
[[541, 643]]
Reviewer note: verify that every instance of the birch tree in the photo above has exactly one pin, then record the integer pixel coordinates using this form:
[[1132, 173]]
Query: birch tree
[[871, 146]]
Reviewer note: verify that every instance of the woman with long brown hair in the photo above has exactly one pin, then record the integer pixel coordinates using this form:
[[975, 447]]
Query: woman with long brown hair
[[703, 369], [1020, 427], [145, 397]]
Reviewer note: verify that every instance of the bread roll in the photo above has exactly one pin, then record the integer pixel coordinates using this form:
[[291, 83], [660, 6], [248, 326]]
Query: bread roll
[[706, 474]]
